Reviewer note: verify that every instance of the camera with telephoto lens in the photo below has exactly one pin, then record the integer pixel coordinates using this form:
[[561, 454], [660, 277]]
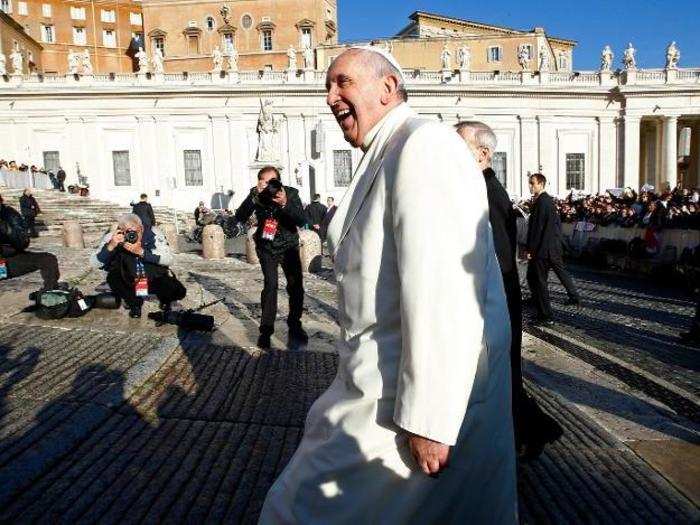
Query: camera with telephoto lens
[[274, 186], [130, 236]]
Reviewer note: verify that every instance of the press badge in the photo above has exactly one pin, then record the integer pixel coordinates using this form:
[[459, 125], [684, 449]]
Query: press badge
[[141, 287], [82, 304], [269, 229], [3, 269]]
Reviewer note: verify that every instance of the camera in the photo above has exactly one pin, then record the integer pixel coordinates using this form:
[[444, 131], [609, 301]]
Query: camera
[[130, 236], [271, 190]]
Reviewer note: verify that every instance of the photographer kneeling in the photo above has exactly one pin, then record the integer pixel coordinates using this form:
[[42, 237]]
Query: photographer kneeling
[[279, 213], [136, 261]]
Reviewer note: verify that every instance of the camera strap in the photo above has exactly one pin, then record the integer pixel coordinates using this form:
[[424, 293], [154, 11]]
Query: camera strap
[[141, 281]]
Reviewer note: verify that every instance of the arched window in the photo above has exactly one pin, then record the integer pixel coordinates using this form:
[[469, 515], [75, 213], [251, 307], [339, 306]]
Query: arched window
[[246, 21], [210, 23]]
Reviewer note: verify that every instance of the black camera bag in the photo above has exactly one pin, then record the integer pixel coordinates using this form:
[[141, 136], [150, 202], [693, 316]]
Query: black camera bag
[[62, 302]]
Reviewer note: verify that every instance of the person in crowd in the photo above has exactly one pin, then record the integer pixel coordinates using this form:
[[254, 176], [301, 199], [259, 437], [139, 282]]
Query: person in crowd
[[14, 260], [544, 251], [200, 211], [279, 215], [12, 166], [315, 212], [327, 218], [61, 178], [533, 428], [29, 208], [137, 263], [144, 210], [423, 373]]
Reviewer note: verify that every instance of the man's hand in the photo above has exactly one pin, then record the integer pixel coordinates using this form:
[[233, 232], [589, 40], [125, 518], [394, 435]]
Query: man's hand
[[136, 248], [316, 227], [281, 198], [262, 184], [116, 239], [431, 456]]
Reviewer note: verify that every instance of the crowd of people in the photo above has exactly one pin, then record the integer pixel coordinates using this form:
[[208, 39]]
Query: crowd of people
[[57, 179], [679, 208]]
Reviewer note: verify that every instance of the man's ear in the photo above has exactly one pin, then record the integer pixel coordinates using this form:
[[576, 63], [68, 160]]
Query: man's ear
[[390, 86]]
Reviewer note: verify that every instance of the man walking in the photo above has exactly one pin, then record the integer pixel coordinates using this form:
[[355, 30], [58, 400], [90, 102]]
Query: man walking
[[29, 208], [423, 366], [544, 251], [315, 212], [144, 210], [279, 213], [61, 178], [533, 428]]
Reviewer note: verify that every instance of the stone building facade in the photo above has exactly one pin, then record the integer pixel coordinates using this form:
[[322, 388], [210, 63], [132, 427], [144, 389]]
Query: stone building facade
[[491, 48], [14, 37], [261, 31], [103, 27]]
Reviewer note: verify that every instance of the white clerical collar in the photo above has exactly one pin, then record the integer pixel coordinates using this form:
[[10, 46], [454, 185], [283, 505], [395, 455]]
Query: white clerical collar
[[372, 133]]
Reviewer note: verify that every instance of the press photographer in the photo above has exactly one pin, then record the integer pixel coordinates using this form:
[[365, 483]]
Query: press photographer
[[137, 261], [279, 213], [14, 260]]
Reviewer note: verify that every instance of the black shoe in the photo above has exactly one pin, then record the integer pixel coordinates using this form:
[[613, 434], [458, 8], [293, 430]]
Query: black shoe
[[573, 302], [165, 307], [264, 341], [297, 336], [135, 311]]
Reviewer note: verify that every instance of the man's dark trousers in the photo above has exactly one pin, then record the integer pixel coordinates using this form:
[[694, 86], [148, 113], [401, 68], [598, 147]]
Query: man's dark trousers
[[291, 266], [27, 262], [166, 288], [537, 275]]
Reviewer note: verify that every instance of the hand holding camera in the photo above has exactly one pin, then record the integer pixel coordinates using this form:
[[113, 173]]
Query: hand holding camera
[[128, 239], [272, 193]]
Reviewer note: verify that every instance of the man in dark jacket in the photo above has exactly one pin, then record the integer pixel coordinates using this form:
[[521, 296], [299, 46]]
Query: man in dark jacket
[[544, 251], [29, 209], [61, 178], [279, 215], [532, 427], [145, 212], [315, 212]]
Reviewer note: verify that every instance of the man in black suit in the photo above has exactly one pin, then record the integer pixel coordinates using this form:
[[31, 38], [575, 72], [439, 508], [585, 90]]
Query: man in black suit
[[315, 212], [533, 428], [279, 214], [144, 210], [544, 251], [61, 178]]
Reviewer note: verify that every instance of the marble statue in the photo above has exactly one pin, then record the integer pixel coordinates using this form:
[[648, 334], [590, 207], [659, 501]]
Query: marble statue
[[157, 61], [142, 57], [73, 62], [86, 63], [606, 59], [292, 56], [232, 53], [544, 61], [3, 62], [225, 13], [628, 59], [673, 55], [218, 59], [16, 59], [267, 127], [446, 58], [465, 57], [524, 57], [308, 57]]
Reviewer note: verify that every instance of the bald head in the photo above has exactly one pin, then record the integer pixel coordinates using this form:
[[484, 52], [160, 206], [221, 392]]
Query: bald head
[[363, 86]]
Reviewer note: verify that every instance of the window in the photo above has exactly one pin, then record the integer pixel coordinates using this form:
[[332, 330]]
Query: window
[[246, 21], [500, 166], [575, 171], [6, 6], [227, 41], [193, 45], [342, 167], [77, 13], [48, 34], [46, 10], [193, 167], [136, 19], [209, 23], [305, 37], [79, 36], [109, 38], [494, 54], [159, 42], [266, 39], [528, 49], [563, 61], [122, 170], [51, 161], [22, 8], [107, 15]]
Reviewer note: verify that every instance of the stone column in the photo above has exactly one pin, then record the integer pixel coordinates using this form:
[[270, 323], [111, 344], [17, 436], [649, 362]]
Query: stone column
[[222, 156], [310, 251], [694, 175], [631, 164], [213, 242], [170, 232], [251, 254], [549, 163], [529, 150], [73, 235], [670, 152], [607, 165]]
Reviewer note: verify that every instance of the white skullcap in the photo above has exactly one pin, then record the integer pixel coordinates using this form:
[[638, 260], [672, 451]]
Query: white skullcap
[[388, 56]]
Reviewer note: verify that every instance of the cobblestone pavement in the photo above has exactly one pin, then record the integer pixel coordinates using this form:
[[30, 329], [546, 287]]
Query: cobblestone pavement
[[629, 327], [105, 419]]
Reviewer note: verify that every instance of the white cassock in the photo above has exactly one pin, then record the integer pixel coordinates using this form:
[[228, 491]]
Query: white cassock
[[424, 347]]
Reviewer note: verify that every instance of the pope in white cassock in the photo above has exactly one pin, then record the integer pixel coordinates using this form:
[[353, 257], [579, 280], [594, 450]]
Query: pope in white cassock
[[416, 426]]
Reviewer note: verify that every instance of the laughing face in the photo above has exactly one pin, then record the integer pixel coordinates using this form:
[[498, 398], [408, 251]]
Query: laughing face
[[357, 96]]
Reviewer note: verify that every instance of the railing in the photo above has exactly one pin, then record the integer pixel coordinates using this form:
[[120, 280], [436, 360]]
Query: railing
[[558, 79]]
